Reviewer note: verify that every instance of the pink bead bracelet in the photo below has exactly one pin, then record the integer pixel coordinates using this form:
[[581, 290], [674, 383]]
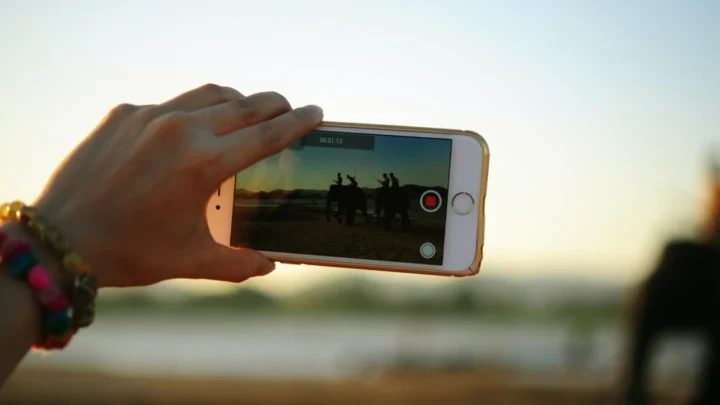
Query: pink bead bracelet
[[57, 317]]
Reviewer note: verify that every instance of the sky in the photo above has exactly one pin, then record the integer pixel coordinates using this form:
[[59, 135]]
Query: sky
[[419, 161], [598, 113]]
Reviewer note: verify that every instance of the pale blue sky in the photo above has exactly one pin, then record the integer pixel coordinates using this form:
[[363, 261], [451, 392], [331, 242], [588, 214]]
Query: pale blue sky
[[597, 112]]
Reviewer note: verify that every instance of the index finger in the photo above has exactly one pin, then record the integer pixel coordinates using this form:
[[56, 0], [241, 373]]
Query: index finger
[[247, 146]]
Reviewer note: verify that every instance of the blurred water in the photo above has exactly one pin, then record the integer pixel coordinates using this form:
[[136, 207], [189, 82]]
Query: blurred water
[[307, 347]]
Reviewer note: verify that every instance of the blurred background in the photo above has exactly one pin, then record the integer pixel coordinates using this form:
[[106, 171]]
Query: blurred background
[[599, 116]]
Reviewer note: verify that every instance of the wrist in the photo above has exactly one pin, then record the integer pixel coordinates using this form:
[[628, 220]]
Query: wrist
[[18, 297], [80, 233], [68, 269], [60, 277]]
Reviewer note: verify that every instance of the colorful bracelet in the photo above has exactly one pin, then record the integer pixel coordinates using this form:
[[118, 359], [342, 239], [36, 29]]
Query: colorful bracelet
[[56, 309], [85, 285]]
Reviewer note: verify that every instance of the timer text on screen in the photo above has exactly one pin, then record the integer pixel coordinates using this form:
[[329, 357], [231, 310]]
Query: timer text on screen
[[328, 139]]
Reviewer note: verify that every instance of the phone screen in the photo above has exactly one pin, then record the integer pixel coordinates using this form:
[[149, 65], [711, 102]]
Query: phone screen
[[348, 195]]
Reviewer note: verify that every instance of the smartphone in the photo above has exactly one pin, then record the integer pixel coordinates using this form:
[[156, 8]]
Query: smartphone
[[375, 197]]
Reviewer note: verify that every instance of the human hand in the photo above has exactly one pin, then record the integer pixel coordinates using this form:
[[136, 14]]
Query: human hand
[[131, 198]]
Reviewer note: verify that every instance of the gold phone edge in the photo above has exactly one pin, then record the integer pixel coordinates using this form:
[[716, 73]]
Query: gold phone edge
[[474, 268]]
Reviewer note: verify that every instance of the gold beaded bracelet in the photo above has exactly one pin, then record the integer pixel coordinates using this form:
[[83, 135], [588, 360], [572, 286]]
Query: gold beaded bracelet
[[85, 285]]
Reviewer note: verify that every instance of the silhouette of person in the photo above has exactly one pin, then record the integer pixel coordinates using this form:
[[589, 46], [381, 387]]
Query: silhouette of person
[[352, 180], [395, 181], [385, 181], [339, 180]]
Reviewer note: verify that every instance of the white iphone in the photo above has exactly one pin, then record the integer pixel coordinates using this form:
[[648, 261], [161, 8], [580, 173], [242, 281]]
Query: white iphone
[[376, 197]]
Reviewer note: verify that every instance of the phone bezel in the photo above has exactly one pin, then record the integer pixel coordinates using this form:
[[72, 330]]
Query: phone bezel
[[464, 236]]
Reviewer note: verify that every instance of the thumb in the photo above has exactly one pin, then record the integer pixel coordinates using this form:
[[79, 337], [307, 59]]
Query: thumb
[[233, 265]]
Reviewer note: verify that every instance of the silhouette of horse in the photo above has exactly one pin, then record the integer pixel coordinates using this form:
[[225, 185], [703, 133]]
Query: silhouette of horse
[[349, 200], [682, 294], [393, 201]]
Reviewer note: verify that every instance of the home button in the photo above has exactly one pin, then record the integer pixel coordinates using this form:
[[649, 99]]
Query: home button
[[463, 203]]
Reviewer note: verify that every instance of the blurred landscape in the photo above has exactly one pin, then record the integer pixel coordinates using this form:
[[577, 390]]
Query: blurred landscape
[[356, 339]]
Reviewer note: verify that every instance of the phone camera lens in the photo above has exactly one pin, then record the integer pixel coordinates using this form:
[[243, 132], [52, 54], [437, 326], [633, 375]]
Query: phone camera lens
[[217, 207]]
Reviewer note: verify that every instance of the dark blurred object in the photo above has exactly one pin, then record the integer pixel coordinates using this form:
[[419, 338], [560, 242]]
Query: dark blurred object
[[682, 294]]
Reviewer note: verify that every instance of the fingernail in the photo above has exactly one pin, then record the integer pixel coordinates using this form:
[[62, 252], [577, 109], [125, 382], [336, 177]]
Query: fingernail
[[316, 111]]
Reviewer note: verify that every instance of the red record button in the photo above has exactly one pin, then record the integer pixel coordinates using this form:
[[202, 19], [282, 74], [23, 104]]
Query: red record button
[[430, 201]]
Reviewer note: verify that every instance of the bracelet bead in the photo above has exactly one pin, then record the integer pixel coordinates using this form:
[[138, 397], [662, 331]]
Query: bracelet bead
[[38, 278], [12, 248], [53, 299], [60, 342], [21, 264], [74, 263], [57, 323], [47, 294]]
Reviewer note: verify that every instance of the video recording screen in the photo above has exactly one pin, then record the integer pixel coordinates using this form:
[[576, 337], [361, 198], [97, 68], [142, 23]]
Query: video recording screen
[[359, 196]]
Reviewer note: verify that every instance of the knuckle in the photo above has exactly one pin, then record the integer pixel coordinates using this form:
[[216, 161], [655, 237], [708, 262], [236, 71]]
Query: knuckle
[[266, 130], [231, 94], [244, 107], [123, 110], [175, 121], [222, 93], [212, 88], [239, 105], [176, 118], [279, 99], [146, 114]]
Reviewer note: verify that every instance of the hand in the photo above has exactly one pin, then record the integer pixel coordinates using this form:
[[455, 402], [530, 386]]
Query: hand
[[131, 198]]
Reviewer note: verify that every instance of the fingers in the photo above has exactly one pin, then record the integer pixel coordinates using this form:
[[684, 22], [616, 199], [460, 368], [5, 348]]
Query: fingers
[[233, 265], [197, 99], [243, 148], [190, 101], [243, 112], [202, 97]]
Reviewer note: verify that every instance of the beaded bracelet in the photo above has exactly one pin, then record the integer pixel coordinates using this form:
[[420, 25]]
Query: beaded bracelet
[[56, 313], [85, 285]]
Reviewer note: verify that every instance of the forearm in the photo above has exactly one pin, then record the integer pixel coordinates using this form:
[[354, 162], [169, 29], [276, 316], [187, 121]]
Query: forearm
[[20, 313], [19, 323]]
